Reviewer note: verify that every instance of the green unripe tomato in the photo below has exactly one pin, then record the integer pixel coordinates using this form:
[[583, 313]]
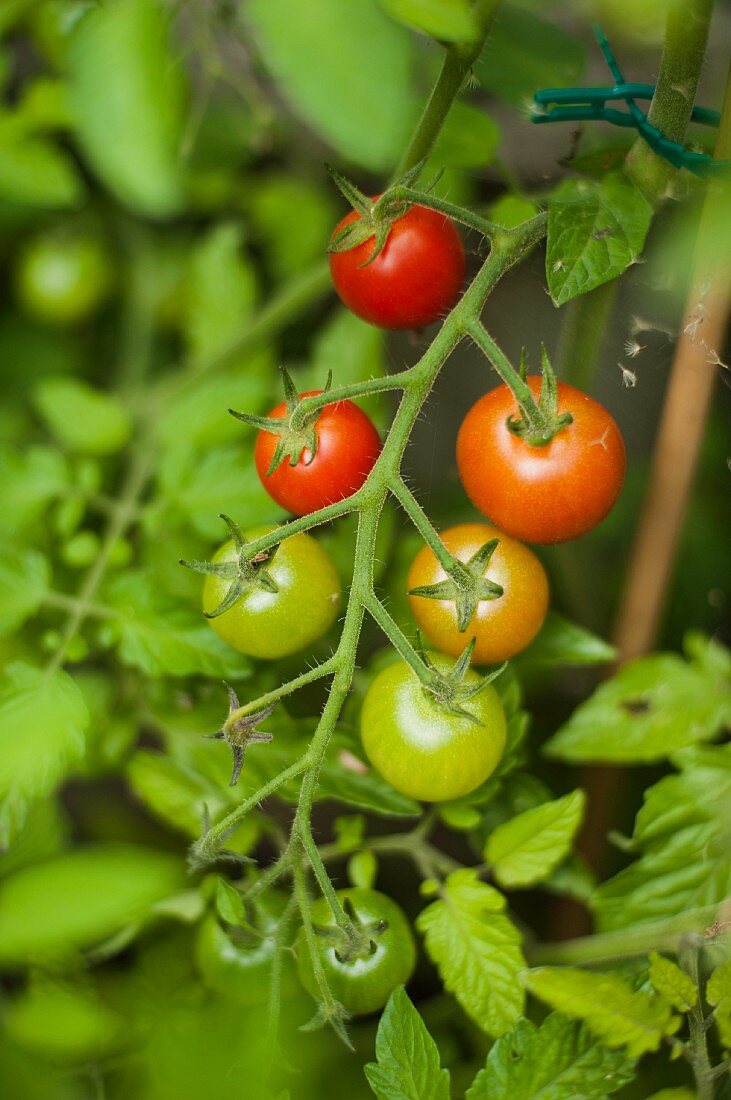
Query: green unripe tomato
[[269, 625], [237, 962], [364, 983], [62, 279], [422, 749]]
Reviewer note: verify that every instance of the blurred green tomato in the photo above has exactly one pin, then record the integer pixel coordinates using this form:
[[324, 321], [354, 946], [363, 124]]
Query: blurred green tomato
[[62, 279]]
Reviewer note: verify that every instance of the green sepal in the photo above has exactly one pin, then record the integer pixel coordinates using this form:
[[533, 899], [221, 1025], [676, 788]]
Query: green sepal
[[296, 431], [245, 573], [466, 586]]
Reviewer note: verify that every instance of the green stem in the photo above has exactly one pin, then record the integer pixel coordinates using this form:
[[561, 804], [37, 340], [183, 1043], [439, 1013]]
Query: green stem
[[689, 958], [423, 525], [664, 935], [458, 61], [331, 1008], [583, 335], [684, 49], [304, 523], [318, 673], [449, 209], [397, 638], [74, 605], [365, 388]]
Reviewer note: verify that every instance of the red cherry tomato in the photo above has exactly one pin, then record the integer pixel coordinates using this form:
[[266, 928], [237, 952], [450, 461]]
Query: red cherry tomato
[[542, 494], [414, 281], [347, 447]]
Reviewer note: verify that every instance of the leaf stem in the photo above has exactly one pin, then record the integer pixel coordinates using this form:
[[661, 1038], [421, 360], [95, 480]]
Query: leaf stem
[[327, 668]]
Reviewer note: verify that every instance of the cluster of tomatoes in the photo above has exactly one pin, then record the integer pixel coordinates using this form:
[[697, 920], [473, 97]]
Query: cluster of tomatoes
[[534, 493]]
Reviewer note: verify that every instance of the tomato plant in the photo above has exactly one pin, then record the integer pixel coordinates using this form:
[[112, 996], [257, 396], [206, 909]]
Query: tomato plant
[[541, 493], [287, 601], [424, 748], [364, 973], [502, 625], [346, 445], [415, 278]]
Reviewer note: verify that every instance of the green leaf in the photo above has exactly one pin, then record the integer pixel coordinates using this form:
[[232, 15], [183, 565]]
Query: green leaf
[[363, 868], [595, 231], [161, 636], [366, 120], [468, 139], [81, 418], [44, 834], [649, 709], [560, 642], [198, 413], [229, 903], [476, 949], [29, 481], [524, 53], [511, 210], [178, 793], [292, 218], [35, 172], [43, 719], [221, 291], [681, 836], [81, 898], [672, 983], [24, 580], [354, 351], [560, 1060], [65, 1022], [445, 20], [408, 1060], [126, 95], [718, 993], [617, 1014], [527, 848]]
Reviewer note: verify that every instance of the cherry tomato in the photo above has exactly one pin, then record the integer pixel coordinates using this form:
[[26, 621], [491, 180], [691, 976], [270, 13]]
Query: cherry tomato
[[422, 749], [275, 624], [62, 280], [364, 983], [501, 626], [347, 447], [237, 962], [541, 494], [414, 281]]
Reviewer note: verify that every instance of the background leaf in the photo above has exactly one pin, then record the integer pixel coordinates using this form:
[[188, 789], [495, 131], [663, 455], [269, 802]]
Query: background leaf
[[82, 418], [23, 582], [445, 20], [528, 847]]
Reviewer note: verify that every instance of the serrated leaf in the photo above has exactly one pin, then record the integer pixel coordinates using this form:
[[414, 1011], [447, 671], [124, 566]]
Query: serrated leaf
[[718, 994], [126, 95], [528, 847], [476, 949], [672, 983], [445, 20], [29, 482], [616, 1013], [561, 642], [43, 719], [35, 172], [229, 903], [649, 709], [681, 837], [81, 418], [524, 52], [408, 1060], [367, 121], [595, 231], [162, 636], [81, 898], [560, 1060], [24, 579]]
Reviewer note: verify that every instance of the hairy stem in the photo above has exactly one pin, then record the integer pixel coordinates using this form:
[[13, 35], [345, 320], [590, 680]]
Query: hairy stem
[[698, 1054]]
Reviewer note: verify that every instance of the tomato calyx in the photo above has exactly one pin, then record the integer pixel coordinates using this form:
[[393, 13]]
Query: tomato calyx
[[539, 421], [297, 436], [244, 574], [375, 216], [466, 585], [240, 732], [448, 689], [358, 940]]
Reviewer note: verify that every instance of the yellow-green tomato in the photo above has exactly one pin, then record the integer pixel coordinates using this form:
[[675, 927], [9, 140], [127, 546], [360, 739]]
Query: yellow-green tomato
[[62, 279], [268, 624], [363, 983], [422, 749]]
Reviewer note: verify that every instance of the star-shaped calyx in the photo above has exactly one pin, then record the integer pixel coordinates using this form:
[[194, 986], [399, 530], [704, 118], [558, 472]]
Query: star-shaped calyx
[[375, 216], [244, 573], [449, 689], [240, 732], [296, 435], [466, 585]]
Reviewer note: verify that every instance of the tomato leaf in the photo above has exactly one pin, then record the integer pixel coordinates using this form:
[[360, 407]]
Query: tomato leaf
[[560, 1060], [366, 120], [43, 719], [24, 579], [62, 1021], [29, 481], [35, 172], [468, 139], [595, 231], [80, 417], [718, 994], [476, 949], [445, 20], [408, 1059], [221, 291], [526, 849], [561, 642], [617, 1014], [674, 984], [126, 94], [651, 707]]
